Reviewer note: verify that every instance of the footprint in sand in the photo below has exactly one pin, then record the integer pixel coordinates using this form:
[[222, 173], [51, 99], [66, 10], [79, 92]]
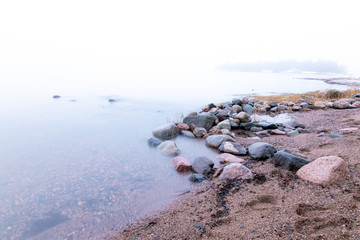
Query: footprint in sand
[[262, 202], [316, 218]]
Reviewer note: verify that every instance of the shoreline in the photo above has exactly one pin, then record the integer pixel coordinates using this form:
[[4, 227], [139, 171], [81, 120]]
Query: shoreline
[[212, 209], [347, 81]]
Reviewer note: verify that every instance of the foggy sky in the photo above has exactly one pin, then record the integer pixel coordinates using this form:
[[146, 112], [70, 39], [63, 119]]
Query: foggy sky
[[39, 35]]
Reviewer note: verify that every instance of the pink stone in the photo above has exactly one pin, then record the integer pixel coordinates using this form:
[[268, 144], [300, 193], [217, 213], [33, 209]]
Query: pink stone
[[183, 127], [181, 164], [229, 158], [357, 104], [349, 130], [192, 126], [244, 100], [277, 132], [206, 108], [324, 171], [236, 170]]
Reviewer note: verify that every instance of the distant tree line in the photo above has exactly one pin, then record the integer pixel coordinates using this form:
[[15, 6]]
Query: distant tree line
[[285, 66]]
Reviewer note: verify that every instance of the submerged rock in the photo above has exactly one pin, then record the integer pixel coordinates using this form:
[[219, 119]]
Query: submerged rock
[[169, 147], [181, 164], [203, 165], [196, 177], [188, 134], [154, 142], [166, 132]]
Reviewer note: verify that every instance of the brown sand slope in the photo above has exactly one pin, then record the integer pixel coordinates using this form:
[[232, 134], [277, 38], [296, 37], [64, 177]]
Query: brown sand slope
[[276, 205]]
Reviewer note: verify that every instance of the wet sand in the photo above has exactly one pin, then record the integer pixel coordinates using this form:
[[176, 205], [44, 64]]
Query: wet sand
[[275, 204]]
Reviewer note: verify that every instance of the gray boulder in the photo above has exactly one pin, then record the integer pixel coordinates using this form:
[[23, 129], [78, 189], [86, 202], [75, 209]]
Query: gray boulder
[[204, 120], [288, 161], [248, 108], [215, 141], [224, 125], [203, 165], [166, 132], [261, 151], [169, 147], [236, 101], [231, 147]]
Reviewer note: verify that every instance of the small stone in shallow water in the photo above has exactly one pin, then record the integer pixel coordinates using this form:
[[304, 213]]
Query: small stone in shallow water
[[112, 100], [187, 134], [166, 132], [196, 177], [202, 165], [181, 164], [169, 147], [154, 142]]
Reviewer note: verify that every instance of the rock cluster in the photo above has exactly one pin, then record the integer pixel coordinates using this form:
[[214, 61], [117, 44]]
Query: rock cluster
[[215, 124]]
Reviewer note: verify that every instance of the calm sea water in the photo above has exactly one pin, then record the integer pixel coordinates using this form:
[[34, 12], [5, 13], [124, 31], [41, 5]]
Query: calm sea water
[[79, 167]]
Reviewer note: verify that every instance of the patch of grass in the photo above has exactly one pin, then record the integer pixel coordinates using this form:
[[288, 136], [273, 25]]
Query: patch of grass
[[177, 119], [310, 96], [334, 94]]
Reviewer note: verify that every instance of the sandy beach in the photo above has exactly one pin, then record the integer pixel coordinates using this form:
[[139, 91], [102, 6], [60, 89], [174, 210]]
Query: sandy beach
[[275, 204]]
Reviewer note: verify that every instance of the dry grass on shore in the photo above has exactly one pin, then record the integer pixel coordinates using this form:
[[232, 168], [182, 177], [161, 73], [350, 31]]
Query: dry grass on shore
[[310, 96]]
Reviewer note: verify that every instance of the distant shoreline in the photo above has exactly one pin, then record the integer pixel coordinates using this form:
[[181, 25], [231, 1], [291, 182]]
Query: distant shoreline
[[348, 81]]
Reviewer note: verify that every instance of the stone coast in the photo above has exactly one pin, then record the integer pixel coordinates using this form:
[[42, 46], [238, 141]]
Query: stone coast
[[296, 179]]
